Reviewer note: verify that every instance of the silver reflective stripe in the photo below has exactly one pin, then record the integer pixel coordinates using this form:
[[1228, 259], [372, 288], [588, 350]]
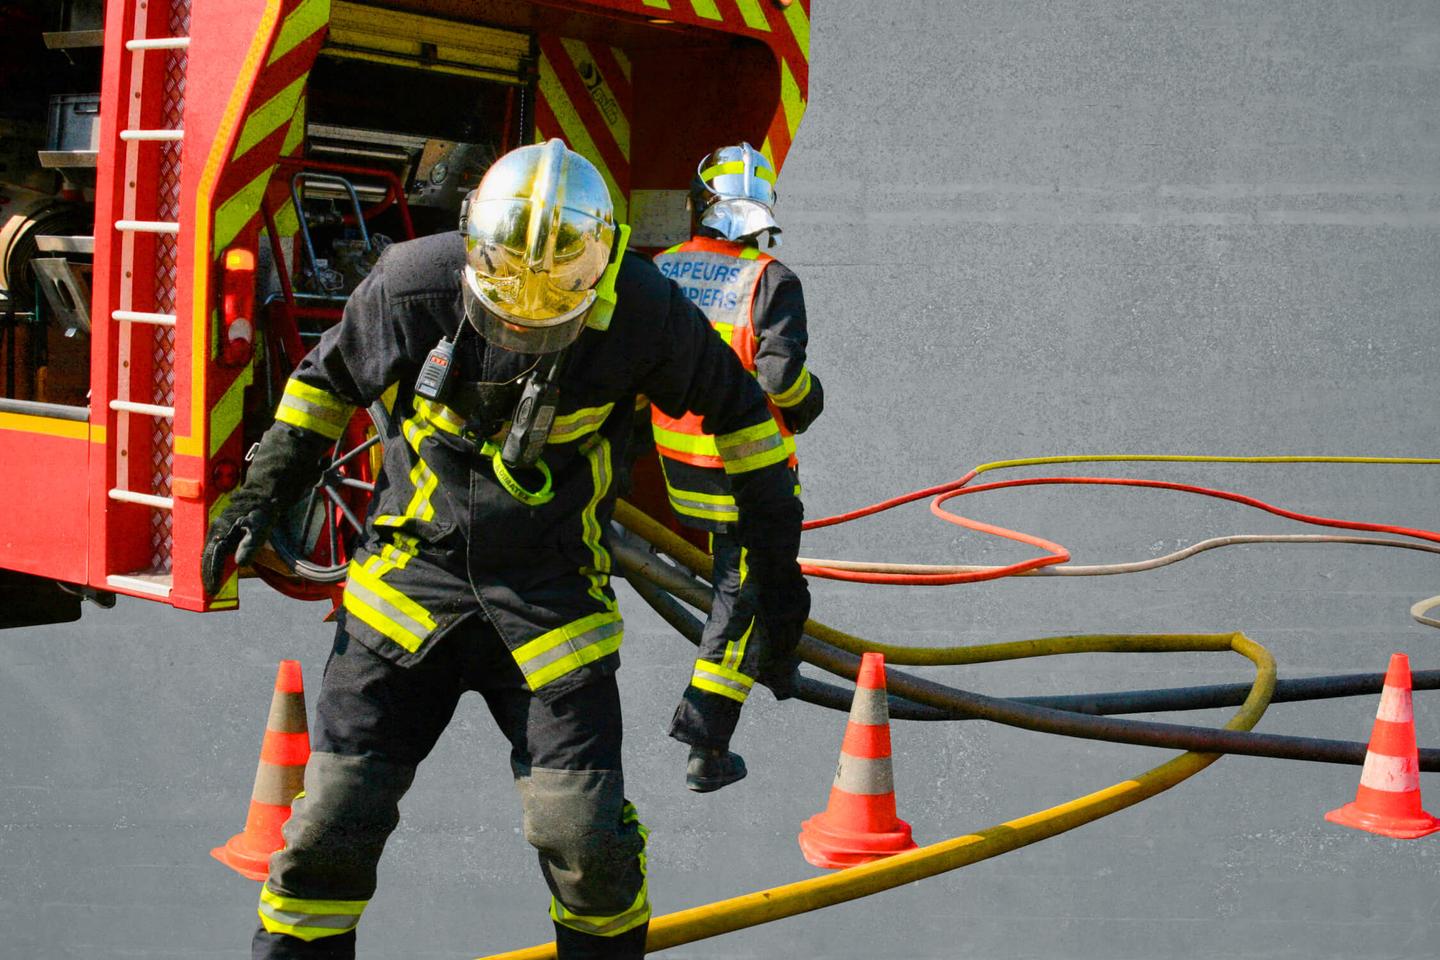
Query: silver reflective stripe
[[573, 426], [724, 681], [862, 776], [339, 922], [572, 646], [697, 508], [742, 451], [870, 707]]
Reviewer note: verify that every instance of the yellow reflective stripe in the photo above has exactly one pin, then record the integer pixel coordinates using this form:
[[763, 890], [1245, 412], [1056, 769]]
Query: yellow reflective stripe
[[706, 9], [736, 166], [232, 215], [794, 393], [720, 508], [439, 415], [800, 27], [752, 448], [573, 426], [790, 98], [267, 118], [726, 331], [724, 673], [749, 253], [552, 655], [676, 248], [600, 473], [754, 16], [313, 409], [227, 413], [385, 608], [293, 136], [308, 919], [720, 685], [735, 649], [303, 21], [687, 442], [422, 478]]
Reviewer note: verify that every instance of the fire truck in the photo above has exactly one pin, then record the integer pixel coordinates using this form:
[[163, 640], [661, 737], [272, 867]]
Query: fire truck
[[189, 189]]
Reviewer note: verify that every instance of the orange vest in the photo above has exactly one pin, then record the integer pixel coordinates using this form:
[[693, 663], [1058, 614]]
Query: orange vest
[[720, 277]]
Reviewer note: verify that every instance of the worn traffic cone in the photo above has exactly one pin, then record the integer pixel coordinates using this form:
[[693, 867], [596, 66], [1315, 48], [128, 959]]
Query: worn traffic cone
[[859, 824], [1388, 801], [280, 777]]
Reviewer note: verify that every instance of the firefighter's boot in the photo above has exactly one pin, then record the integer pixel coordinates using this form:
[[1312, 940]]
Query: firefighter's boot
[[711, 768]]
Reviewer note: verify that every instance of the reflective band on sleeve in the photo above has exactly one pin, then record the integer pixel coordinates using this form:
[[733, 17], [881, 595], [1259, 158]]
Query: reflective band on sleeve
[[385, 608], [749, 253], [552, 655], [696, 444], [308, 919], [714, 678], [720, 508], [438, 416], [573, 426], [752, 448], [628, 919], [796, 392], [311, 408]]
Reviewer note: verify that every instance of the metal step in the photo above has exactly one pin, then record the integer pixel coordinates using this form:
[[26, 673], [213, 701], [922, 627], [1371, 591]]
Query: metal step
[[154, 583], [48, 243], [74, 39], [68, 159]]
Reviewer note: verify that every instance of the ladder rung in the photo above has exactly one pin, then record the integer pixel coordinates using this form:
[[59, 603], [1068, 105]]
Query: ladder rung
[[140, 316], [148, 499], [147, 226], [152, 134], [151, 409], [158, 43]]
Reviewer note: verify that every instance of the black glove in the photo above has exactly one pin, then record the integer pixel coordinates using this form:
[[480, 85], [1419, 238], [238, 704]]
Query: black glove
[[286, 464], [799, 417], [769, 529]]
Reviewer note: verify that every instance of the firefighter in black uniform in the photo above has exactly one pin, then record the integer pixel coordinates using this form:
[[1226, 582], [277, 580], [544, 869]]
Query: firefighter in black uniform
[[755, 303], [511, 356]]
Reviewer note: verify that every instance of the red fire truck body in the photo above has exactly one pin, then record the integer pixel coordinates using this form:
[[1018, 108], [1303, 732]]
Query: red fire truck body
[[245, 159]]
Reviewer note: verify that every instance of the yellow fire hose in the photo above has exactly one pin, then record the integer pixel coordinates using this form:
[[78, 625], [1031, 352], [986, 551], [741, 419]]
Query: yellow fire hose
[[763, 906]]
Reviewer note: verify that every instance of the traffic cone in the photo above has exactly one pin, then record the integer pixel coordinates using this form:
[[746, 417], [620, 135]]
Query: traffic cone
[[1388, 800], [280, 777], [859, 824]]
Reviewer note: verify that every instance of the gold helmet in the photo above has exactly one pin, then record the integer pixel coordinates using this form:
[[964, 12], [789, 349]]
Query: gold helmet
[[538, 234]]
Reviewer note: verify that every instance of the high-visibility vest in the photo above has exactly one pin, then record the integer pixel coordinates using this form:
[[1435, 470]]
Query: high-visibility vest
[[719, 277]]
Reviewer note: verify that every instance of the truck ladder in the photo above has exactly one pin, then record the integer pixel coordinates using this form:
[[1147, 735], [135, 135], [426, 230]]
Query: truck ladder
[[140, 406]]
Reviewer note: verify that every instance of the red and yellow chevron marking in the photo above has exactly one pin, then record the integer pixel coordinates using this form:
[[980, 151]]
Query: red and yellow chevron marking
[[264, 120], [786, 30], [585, 99]]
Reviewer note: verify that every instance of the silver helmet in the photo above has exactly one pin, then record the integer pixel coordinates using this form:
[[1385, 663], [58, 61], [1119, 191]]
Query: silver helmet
[[734, 192], [538, 234]]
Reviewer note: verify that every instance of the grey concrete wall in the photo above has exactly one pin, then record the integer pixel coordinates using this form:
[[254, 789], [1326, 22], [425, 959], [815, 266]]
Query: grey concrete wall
[[1025, 229]]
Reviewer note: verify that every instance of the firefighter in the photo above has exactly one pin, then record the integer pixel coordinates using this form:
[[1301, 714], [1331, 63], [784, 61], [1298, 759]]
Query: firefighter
[[511, 354], [756, 305]]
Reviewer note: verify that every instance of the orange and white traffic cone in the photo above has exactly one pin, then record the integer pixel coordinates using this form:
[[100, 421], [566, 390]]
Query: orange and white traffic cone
[[1388, 800], [279, 778], [859, 824]]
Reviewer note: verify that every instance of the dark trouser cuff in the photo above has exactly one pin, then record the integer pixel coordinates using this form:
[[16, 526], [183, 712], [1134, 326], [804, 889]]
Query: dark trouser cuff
[[280, 946], [574, 945], [705, 719]]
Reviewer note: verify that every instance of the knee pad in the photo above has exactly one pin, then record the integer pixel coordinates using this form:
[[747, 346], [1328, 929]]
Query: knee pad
[[590, 850], [338, 827]]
